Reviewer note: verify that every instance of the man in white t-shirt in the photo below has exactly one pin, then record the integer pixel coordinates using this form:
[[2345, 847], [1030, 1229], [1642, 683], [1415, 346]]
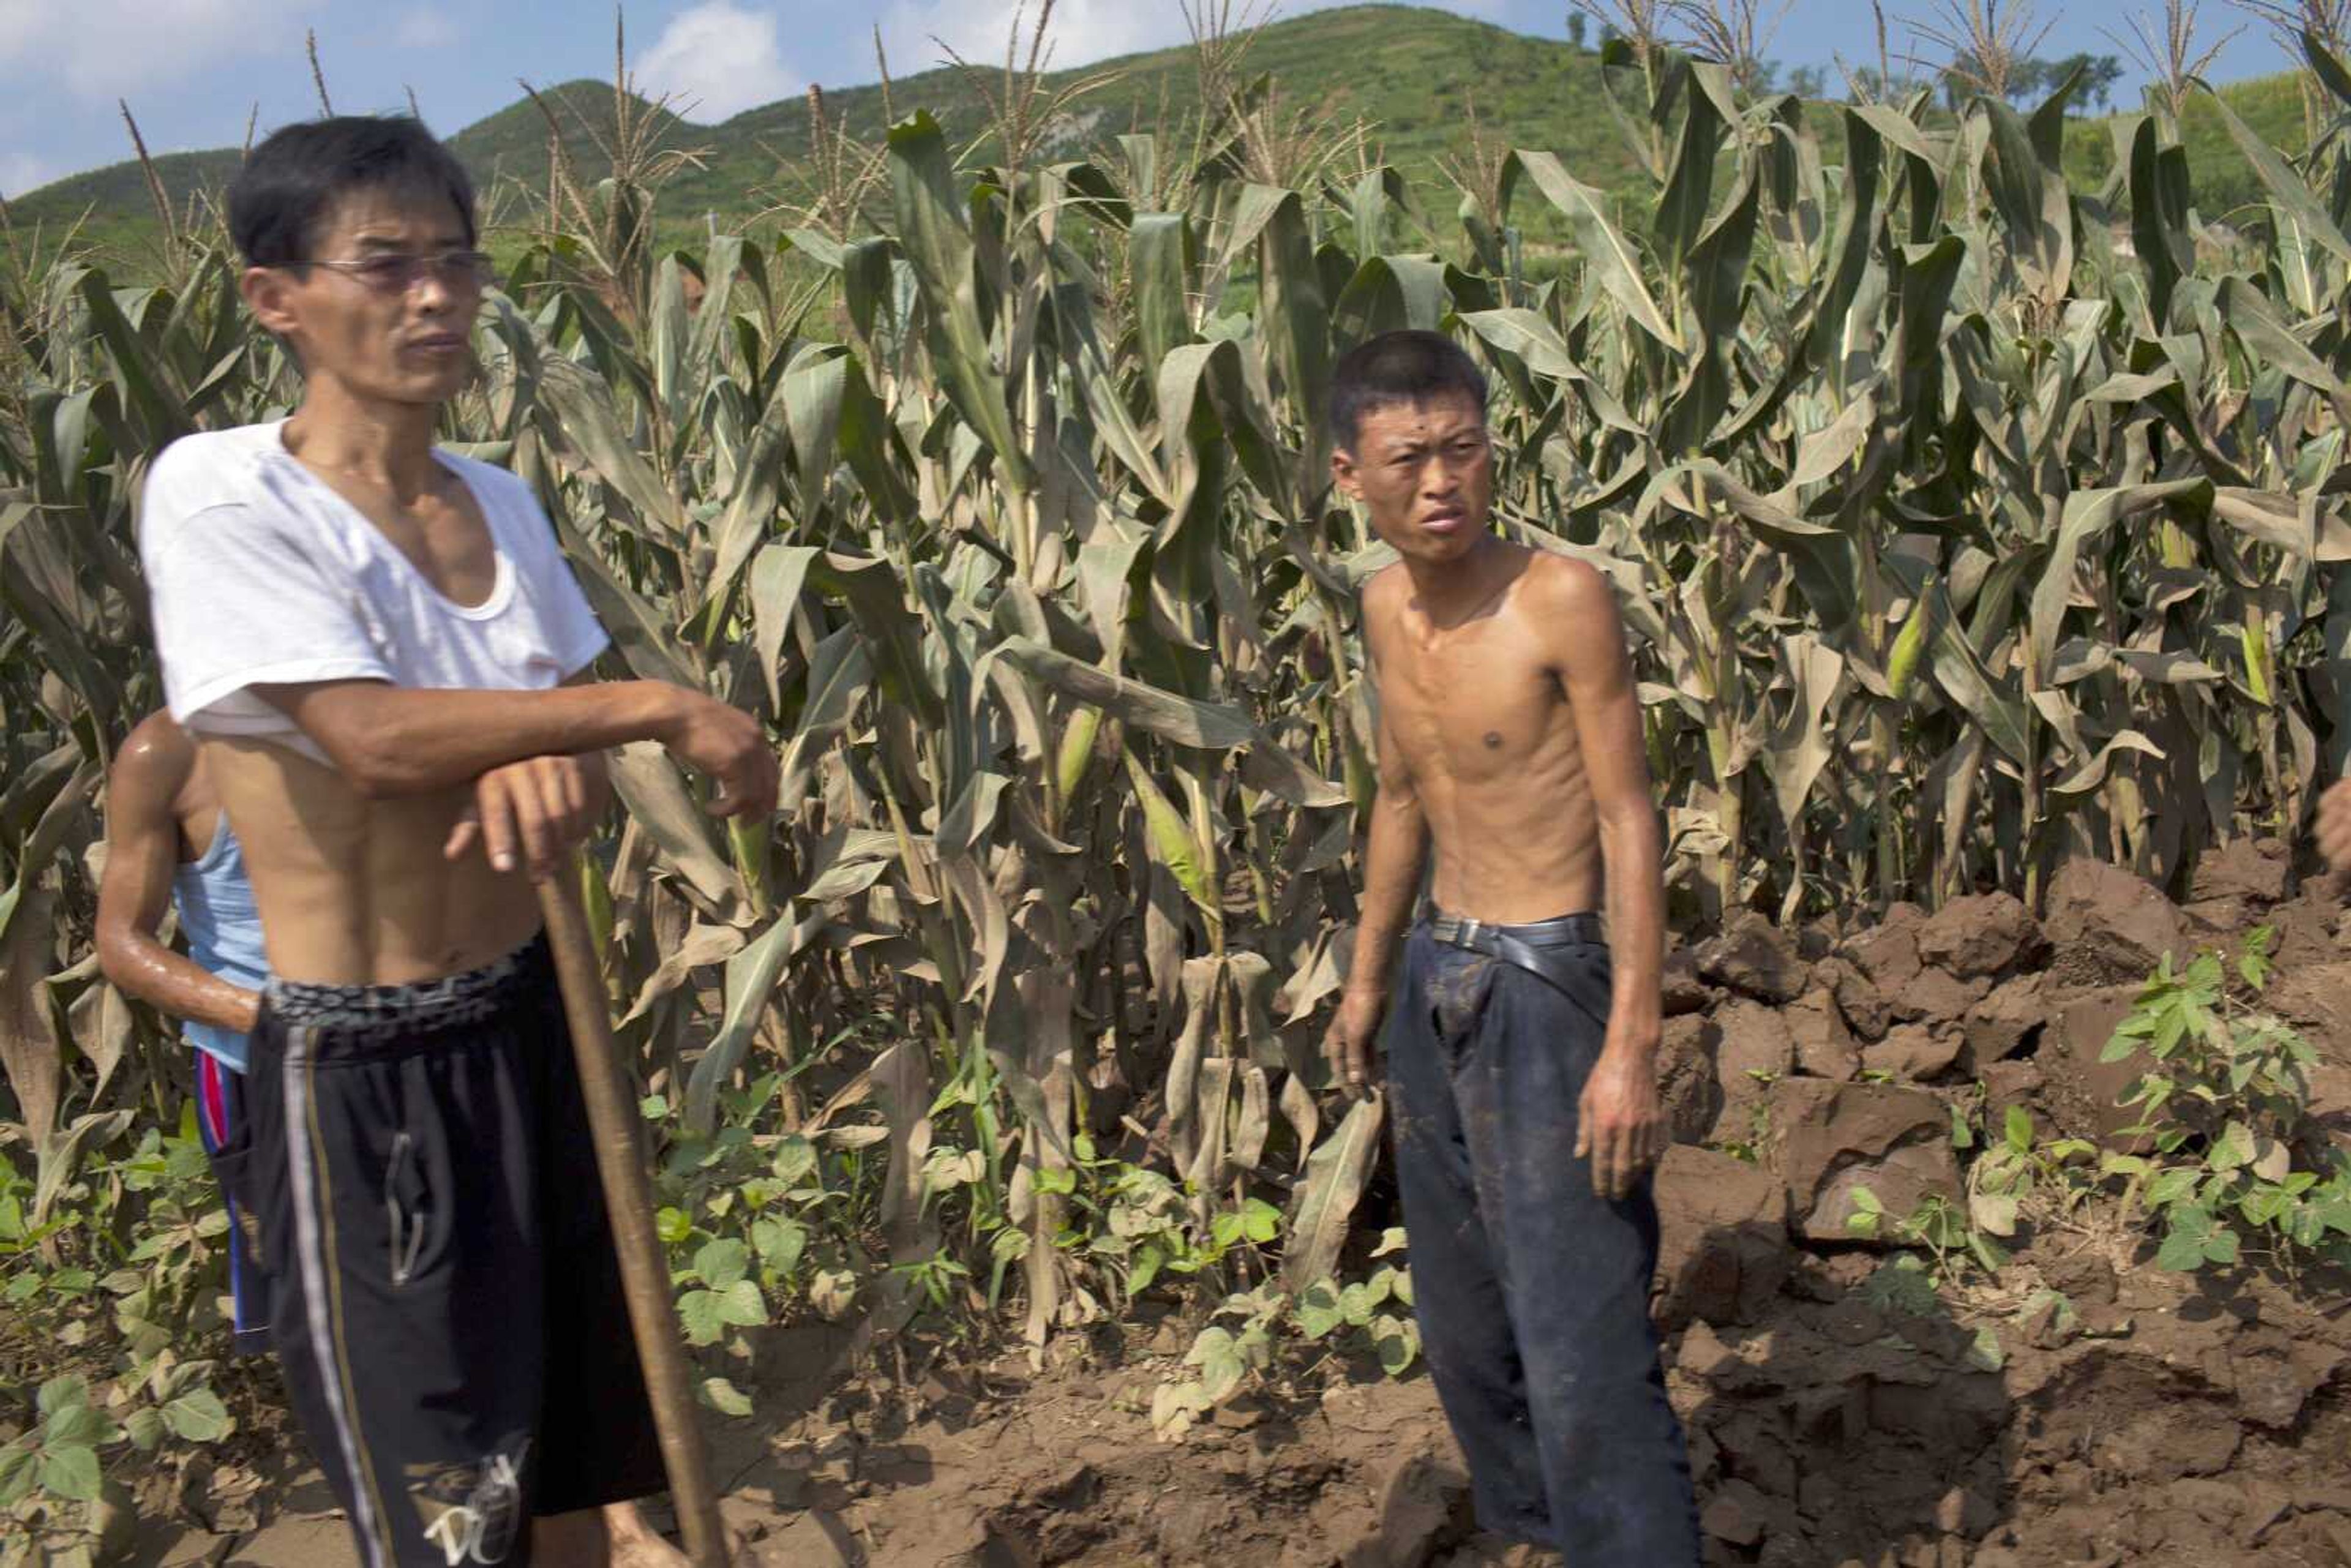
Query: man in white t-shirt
[[367, 636]]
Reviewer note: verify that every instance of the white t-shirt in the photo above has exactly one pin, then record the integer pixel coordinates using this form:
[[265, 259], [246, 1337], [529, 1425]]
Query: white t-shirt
[[260, 574]]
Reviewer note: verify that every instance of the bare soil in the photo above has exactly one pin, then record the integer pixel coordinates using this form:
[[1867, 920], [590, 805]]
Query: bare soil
[[2164, 1419]]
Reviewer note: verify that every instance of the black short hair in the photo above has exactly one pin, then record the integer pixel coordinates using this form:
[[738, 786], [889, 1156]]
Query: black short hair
[[1408, 366], [293, 179]]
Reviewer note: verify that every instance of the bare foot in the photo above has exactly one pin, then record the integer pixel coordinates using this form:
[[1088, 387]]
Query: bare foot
[[634, 1544]]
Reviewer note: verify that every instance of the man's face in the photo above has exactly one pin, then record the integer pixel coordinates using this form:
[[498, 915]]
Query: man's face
[[394, 321], [1425, 472]]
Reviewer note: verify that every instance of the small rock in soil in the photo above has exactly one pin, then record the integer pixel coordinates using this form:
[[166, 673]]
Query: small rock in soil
[[2179, 1438], [2081, 1090], [2086, 1279], [1738, 1514], [1829, 1138], [1825, 1045], [1914, 1053], [1755, 958], [1685, 1077], [1980, 935], [2051, 1324], [2214, 921], [1683, 991], [2108, 925], [1423, 1504], [1723, 1238], [2253, 870], [1936, 996], [1858, 999], [2317, 998], [2006, 1084], [1998, 1025], [1755, 1042], [1888, 953]]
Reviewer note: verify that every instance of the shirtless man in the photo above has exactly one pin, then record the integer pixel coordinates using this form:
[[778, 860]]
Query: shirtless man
[[169, 844], [369, 638], [1522, 1052]]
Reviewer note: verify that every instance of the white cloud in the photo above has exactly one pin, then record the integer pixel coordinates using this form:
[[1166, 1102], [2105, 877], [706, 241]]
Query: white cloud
[[424, 27], [717, 60], [108, 49], [978, 30]]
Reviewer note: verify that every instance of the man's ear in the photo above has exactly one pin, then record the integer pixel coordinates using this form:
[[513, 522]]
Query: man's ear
[[1343, 474], [268, 293]]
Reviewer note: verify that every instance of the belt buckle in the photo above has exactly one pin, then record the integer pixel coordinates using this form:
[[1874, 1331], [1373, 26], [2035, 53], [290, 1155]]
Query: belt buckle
[[1470, 930]]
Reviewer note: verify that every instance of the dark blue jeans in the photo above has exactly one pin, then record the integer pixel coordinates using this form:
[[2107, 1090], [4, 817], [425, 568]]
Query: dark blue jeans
[[1533, 1292]]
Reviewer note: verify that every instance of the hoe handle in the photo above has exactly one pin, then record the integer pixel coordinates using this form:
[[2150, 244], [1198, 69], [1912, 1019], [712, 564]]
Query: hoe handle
[[628, 1200]]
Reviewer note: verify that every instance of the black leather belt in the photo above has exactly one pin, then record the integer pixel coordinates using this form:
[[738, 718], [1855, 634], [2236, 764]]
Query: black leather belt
[[1531, 946]]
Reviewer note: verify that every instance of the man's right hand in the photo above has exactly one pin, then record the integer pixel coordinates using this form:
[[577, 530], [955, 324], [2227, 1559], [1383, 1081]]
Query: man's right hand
[[732, 747], [1354, 1030]]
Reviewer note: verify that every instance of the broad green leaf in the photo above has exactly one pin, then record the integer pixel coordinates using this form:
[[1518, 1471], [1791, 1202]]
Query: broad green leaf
[[935, 235], [655, 793], [2292, 198], [721, 1263], [1619, 270], [199, 1417], [579, 415], [779, 573], [1328, 1191], [1184, 720], [751, 977], [70, 1472], [741, 1305]]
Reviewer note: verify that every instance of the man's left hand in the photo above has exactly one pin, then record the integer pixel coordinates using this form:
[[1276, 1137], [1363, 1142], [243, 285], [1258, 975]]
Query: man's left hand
[[1620, 1125], [534, 813]]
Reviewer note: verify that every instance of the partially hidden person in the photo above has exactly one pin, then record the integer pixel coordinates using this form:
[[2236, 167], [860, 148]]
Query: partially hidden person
[[385, 664], [170, 847], [1526, 1013]]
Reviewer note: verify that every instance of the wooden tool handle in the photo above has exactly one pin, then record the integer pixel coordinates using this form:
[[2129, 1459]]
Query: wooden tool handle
[[628, 1200]]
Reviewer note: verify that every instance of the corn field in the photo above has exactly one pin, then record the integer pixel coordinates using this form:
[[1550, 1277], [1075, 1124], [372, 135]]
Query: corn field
[[1962, 522]]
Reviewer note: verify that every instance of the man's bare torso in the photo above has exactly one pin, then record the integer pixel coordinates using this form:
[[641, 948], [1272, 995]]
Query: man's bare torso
[[1482, 720], [354, 891]]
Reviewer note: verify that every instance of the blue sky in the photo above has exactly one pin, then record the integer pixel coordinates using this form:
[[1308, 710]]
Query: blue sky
[[192, 69]]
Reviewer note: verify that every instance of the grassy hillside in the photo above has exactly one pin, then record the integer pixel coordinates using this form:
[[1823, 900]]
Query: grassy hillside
[[2221, 178], [1409, 71]]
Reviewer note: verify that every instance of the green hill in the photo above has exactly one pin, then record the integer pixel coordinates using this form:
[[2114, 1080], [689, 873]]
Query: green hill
[[1408, 72]]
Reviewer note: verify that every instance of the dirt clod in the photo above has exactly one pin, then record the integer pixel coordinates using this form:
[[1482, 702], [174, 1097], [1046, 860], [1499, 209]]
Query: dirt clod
[[1829, 1138], [1980, 937], [1824, 1044], [1755, 958], [2108, 926]]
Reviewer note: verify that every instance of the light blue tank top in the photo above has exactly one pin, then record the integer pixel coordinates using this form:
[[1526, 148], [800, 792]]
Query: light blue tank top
[[223, 925]]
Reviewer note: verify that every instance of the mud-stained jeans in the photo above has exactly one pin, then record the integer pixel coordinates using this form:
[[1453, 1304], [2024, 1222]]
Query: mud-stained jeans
[[1533, 1292]]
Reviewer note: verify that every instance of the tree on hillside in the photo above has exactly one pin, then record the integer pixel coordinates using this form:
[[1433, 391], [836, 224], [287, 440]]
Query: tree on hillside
[[1641, 23]]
